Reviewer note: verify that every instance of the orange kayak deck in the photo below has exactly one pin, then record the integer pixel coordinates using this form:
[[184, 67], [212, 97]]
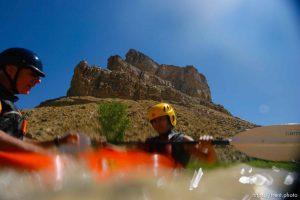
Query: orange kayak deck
[[107, 162], [104, 162], [27, 160]]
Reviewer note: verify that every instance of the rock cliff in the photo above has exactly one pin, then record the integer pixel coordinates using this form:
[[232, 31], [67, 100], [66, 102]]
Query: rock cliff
[[138, 77]]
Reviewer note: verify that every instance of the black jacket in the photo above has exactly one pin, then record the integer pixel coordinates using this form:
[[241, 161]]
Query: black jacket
[[11, 120], [179, 154]]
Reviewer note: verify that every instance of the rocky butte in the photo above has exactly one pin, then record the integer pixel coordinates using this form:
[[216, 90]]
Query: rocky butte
[[138, 77]]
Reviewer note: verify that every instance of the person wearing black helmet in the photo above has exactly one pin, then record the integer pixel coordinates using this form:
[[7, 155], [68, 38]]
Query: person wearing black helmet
[[20, 70]]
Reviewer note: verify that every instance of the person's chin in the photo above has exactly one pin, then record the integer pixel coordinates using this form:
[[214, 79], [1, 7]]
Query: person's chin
[[162, 133], [24, 92]]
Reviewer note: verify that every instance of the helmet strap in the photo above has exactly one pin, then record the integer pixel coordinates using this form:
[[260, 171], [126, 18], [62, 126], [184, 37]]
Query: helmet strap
[[13, 81], [169, 119]]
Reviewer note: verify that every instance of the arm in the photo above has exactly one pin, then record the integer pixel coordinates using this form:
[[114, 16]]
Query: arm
[[9, 143], [67, 139], [45, 144]]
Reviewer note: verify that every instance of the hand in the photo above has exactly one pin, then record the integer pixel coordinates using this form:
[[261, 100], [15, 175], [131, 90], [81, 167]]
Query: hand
[[73, 143], [205, 143], [72, 138], [100, 142]]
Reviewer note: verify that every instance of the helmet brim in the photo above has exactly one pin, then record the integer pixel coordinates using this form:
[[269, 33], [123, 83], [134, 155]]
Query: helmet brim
[[38, 71]]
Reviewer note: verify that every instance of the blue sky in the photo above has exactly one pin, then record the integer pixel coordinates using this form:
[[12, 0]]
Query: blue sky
[[248, 50]]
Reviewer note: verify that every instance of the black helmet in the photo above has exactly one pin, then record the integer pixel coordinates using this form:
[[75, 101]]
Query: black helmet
[[21, 57]]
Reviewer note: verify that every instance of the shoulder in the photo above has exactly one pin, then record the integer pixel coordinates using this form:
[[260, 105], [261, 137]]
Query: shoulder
[[8, 107], [181, 136]]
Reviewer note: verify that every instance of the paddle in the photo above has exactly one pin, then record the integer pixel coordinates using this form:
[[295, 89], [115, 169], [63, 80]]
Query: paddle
[[276, 142]]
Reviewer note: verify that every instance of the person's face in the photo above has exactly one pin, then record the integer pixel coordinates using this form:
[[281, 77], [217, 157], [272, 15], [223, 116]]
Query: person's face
[[161, 124], [26, 79]]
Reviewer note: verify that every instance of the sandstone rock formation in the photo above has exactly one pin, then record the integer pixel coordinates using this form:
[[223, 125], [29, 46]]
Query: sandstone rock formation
[[185, 79], [138, 77]]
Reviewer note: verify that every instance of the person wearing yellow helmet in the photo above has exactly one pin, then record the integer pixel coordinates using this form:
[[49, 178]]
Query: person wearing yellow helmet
[[163, 119]]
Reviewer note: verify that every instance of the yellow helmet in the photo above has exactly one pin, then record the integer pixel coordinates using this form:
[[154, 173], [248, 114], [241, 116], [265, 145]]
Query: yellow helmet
[[162, 109]]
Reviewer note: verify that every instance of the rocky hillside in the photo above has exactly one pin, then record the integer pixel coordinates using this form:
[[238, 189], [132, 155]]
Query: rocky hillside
[[139, 82], [138, 77], [79, 114]]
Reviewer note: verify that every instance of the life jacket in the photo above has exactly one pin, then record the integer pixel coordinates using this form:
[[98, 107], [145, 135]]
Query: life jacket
[[11, 119], [178, 153], [23, 123]]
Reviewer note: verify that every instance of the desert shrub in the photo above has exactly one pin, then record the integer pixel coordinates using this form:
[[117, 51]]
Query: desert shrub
[[113, 120]]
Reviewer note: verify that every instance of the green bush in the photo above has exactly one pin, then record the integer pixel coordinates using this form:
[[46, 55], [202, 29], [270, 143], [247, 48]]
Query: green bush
[[113, 120]]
